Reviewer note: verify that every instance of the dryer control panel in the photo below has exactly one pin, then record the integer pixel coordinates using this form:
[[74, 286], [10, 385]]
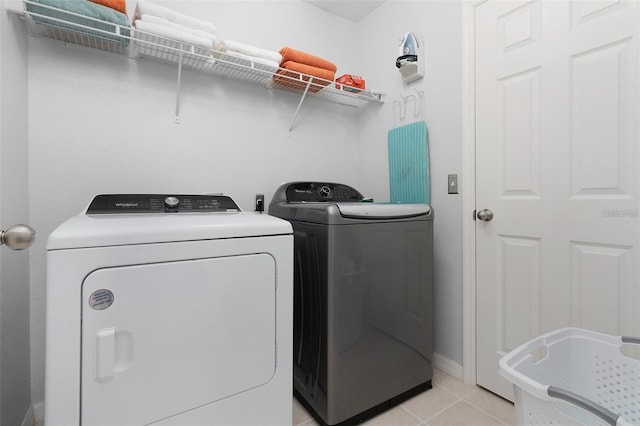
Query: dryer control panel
[[161, 203]]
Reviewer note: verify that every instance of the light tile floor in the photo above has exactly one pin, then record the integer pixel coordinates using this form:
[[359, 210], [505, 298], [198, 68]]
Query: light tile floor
[[451, 402]]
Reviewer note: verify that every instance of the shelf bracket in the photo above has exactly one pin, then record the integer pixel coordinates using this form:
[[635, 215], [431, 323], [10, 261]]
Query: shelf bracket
[[177, 119], [304, 95]]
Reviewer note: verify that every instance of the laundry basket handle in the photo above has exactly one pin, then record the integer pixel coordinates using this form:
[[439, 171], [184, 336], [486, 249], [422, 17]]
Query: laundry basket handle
[[605, 414], [628, 339]]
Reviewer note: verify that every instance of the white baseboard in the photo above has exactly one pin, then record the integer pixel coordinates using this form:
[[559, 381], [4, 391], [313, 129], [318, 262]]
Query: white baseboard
[[447, 365], [38, 414]]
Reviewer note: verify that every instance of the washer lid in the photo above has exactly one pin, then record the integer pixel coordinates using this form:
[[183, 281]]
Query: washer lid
[[382, 211], [102, 230]]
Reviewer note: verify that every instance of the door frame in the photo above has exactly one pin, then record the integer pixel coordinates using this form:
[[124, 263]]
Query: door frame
[[469, 8]]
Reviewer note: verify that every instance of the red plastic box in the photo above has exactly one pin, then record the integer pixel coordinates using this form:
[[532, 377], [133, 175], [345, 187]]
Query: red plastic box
[[352, 83]]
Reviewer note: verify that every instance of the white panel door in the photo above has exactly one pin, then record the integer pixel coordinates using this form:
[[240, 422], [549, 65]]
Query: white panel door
[[162, 339], [557, 164]]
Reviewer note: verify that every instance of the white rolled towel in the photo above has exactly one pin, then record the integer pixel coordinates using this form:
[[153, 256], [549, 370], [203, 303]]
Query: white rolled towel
[[149, 8], [161, 21], [174, 34], [256, 52], [266, 63]]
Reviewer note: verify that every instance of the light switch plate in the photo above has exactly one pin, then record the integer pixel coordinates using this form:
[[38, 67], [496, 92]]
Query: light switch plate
[[452, 184]]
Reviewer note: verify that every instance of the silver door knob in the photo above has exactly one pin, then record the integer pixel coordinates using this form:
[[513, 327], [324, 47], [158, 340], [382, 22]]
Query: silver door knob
[[18, 237], [485, 215]]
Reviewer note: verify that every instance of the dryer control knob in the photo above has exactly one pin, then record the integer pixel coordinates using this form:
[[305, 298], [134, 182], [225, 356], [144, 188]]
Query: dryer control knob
[[171, 202], [324, 191]]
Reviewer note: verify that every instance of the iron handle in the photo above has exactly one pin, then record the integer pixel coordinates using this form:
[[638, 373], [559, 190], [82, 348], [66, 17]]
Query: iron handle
[[18, 237], [485, 215]]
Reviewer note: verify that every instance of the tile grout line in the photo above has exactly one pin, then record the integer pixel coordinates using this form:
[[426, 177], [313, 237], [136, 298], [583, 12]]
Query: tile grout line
[[309, 417], [460, 399], [411, 414], [483, 410], [487, 413]]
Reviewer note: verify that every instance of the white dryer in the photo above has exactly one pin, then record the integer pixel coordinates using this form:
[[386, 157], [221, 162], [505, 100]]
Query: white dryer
[[169, 310]]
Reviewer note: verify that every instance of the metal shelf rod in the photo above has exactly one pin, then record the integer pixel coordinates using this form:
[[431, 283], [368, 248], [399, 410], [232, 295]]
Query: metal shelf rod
[[304, 95]]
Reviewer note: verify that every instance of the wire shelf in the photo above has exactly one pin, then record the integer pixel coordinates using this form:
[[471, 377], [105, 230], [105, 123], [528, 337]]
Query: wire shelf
[[69, 27]]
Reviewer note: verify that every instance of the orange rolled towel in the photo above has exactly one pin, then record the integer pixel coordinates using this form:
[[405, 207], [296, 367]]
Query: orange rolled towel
[[293, 55], [119, 5], [322, 73], [295, 75]]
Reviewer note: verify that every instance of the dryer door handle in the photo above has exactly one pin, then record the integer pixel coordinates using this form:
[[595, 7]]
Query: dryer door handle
[[105, 354], [114, 353]]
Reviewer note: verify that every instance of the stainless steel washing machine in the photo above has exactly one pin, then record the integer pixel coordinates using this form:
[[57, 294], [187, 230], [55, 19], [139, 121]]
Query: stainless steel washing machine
[[362, 299]]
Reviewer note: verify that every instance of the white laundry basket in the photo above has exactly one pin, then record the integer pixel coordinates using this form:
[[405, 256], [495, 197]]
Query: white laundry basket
[[575, 377]]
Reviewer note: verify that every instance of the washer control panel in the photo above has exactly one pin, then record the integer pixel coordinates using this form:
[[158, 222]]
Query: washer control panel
[[160, 203], [321, 191]]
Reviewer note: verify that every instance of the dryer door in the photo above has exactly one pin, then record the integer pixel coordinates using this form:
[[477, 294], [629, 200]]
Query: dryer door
[[161, 339]]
